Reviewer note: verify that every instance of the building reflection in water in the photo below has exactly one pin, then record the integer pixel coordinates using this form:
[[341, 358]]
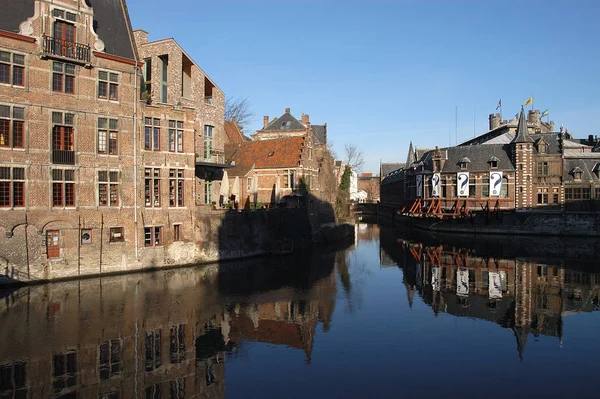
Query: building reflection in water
[[526, 296], [159, 335]]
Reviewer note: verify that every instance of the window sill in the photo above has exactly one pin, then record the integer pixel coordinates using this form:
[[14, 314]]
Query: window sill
[[12, 85]]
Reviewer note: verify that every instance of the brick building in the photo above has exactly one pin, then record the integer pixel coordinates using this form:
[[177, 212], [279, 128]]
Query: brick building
[[518, 164], [370, 185], [109, 144]]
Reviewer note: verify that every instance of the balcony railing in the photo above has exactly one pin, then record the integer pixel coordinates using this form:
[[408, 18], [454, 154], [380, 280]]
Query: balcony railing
[[215, 156], [62, 48], [63, 157]]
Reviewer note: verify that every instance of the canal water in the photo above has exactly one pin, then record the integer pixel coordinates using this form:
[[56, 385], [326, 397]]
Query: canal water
[[391, 315]]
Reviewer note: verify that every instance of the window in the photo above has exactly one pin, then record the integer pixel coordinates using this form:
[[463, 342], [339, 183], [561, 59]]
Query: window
[[64, 371], [152, 187], [109, 364], [164, 78], [542, 147], [175, 187], [208, 191], [177, 347], [176, 232], [108, 188], [153, 236], [542, 196], [12, 187], [177, 388], [108, 85], [63, 77], [208, 141], [152, 350], [63, 187], [108, 136], [493, 164], [577, 193], [152, 134], [116, 234], [543, 168], [288, 178], [12, 68], [63, 138], [12, 128], [153, 392], [485, 186], [504, 189], [472, 187], [176, 136], [13, 380], [555, 196]]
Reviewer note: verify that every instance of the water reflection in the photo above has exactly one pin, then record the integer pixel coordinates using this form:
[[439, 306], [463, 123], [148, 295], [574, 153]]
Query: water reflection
[[158, 335], [522, 294]]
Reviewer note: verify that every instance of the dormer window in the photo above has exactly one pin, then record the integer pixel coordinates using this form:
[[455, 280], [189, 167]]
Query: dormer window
[[464, 163], [285, 124], [542, 146], [436, 165], [577, 173], [493, 163], [63, 42], [596, 170]]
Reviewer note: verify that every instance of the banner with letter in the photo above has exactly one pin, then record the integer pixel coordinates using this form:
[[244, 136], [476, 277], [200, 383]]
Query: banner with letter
[[495, 184], [462, 282], [419, 186], [462, 184], [435, 184], [435, 278], [495, 285], [419, 274]]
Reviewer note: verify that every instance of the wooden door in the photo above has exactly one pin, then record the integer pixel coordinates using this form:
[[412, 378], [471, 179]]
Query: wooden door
[[53, 243]]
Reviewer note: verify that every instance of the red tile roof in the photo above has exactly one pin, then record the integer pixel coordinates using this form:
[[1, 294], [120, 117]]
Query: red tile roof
[[233, 133], [265, 154]]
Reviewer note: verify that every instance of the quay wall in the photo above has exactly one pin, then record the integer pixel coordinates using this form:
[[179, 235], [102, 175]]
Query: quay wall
[[216, 236]]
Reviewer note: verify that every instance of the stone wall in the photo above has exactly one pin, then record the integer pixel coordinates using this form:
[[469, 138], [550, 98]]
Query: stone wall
[[217, 236]]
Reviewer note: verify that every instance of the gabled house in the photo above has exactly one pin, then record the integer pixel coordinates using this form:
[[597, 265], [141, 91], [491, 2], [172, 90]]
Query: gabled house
[[275, 166]]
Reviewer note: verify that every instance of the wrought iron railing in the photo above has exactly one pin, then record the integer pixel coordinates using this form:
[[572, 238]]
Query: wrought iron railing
[[63, 48]]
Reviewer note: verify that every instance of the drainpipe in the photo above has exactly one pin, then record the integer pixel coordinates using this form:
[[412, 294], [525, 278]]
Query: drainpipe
[[135, 161]]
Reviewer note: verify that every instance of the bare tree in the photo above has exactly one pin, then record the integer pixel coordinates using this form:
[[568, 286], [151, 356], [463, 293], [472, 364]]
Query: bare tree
[[238, 108], [354, 157]]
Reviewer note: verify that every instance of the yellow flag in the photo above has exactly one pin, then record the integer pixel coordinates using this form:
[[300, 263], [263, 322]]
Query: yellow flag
[[529, 100]]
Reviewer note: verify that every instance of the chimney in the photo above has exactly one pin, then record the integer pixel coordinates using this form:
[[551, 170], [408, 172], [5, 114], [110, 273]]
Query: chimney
[[287, 110], [265, 122], [305, 119], [140, 36]]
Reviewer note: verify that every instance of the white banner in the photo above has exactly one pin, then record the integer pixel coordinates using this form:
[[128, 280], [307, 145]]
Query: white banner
[[419, 186], [495, 184], [435, 278], [495, 285], [462, 184], [435, 184], [462, 282]]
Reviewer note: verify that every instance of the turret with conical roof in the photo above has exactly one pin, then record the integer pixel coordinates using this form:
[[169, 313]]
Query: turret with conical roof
[[522, 135]]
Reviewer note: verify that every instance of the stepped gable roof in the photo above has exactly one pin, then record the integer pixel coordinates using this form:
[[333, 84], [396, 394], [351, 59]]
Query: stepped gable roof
[[15, 12], [233, 133], [111, 23], [320, 133], [265, 154], [479, 155], [285, 122], [522, 131]]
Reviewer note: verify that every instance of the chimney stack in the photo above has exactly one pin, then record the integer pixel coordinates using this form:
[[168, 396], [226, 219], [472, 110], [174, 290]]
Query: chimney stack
[[305, 119], [287, 110], [265, 122]]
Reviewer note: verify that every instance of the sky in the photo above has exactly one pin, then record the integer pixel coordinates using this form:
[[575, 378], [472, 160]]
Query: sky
[[384, 73]]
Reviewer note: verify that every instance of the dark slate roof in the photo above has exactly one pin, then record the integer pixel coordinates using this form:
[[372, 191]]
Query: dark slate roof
[[522, 131], [15, 12], [387, 168], [479, 155], [320, 133], [111, 22], [393, 177], [290, 122], [550, 138], [587, 166]]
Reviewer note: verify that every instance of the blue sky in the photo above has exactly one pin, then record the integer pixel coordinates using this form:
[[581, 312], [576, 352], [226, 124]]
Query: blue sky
[[383, 73]]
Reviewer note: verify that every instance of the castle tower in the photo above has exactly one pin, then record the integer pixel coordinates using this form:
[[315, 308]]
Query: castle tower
[[522, 151]]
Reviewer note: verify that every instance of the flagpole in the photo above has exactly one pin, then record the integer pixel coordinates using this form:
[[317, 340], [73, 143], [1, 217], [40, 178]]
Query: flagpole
[[532, 102]]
